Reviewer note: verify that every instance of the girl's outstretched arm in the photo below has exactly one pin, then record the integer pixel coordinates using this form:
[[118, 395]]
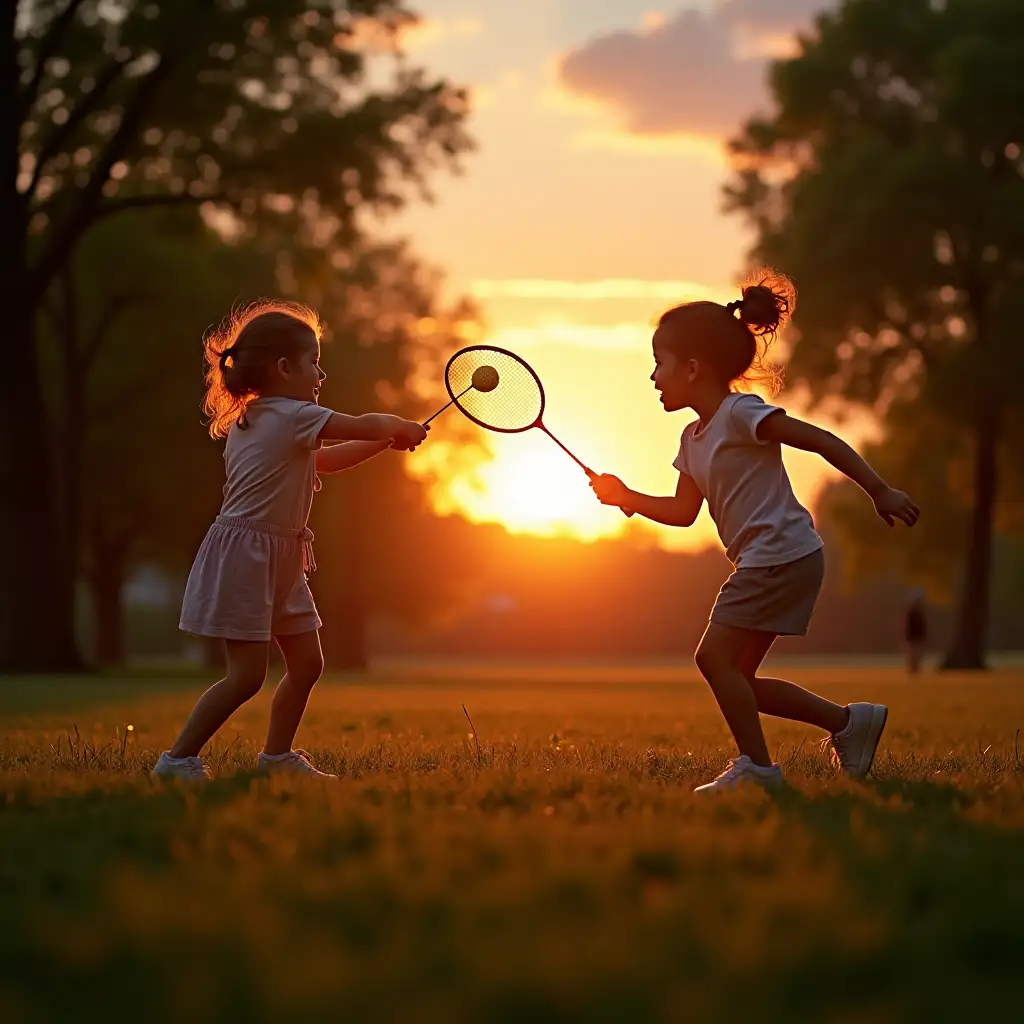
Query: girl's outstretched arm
[[373, 426], [336, 457], [890, 503], [679, 510]]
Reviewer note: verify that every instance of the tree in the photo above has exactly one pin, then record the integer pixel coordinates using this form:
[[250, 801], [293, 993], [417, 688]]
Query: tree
[[151, 478], [262, 113], [929, 454], [889, 184], [147, 478]]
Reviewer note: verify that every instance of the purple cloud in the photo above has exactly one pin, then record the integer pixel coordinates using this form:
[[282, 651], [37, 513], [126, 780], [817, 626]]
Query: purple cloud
[[684, 75]]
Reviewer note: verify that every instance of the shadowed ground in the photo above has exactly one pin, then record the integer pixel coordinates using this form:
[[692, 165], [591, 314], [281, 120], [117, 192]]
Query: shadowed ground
[[555, 867]]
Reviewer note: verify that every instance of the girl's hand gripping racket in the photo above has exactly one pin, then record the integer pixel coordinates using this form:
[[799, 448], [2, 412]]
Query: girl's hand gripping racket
[[500, 391]]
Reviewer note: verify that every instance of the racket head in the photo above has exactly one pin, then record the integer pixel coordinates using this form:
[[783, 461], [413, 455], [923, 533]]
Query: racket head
[[515, 405]]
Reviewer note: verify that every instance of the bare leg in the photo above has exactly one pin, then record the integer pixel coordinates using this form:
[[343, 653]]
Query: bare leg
[[303, 663], [247, 668], [783, 699], [718, 658]]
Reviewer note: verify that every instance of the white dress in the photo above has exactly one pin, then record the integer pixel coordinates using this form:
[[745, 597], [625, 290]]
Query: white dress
[[249, 578]]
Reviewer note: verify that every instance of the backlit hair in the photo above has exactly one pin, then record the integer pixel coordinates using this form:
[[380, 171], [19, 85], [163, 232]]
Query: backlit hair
[[243, 349], [734, 339]]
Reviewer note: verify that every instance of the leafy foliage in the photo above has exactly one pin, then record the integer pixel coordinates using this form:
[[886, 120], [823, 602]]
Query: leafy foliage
[[895, 205], [280, 111], [890, 184], [288, 124]]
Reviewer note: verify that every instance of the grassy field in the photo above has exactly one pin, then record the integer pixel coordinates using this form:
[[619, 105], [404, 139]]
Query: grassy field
[[559, 870]]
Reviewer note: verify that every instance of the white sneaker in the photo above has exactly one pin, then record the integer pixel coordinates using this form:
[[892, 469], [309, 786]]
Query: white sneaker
[[853, 749], [742, 770], [192, 768], [295, 762]]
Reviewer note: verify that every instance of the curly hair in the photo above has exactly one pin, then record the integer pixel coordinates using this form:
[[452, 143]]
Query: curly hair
[[735, 339], [240, 352]]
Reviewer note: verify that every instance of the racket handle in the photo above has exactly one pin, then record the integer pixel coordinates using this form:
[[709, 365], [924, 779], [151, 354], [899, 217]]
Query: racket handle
[[628, 513]]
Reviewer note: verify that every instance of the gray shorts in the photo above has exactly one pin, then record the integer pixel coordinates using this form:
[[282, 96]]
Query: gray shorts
[[775, 599], [248, 582]]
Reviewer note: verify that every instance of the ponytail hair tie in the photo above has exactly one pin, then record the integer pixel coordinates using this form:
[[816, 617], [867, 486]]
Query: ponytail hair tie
[[735, 307]]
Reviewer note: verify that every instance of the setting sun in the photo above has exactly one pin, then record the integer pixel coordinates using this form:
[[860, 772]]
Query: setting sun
[[600, 402], [532, 486]]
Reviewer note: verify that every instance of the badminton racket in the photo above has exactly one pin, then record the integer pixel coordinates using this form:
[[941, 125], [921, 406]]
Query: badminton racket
[[500, 391]]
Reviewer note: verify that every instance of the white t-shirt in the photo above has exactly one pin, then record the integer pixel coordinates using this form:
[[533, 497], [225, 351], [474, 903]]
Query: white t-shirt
[[746, 486], [271, 463]]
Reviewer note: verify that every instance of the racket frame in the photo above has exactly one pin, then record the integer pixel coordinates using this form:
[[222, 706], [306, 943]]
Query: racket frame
[[537, 423], [480, 423]]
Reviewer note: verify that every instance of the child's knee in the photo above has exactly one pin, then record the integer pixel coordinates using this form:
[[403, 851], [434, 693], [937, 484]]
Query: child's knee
[[315, 669], [707, 660], [246, 684], [714, 658], [755, 683], [307, 670]]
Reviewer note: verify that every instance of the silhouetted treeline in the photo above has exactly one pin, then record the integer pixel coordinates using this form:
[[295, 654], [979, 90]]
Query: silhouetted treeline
[[478, 591], [534, 596]]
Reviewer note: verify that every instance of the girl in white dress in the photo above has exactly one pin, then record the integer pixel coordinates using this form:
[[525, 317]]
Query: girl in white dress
[[248, 585]]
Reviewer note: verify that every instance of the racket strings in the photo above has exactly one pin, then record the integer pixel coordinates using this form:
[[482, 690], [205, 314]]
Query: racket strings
[[515, 404]]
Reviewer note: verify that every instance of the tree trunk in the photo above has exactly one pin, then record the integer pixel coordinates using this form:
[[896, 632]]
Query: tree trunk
[[36, 588], [347, 644], [107, 584], [73, 426], [340, 585], [970, 635], [36, 584], [69, 428]]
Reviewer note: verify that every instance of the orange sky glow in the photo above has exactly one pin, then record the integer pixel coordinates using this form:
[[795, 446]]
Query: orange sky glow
[[578, 220]]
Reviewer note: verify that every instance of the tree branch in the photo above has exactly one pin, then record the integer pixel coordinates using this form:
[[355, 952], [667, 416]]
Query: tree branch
[[117, 206], [70, 334], [47, 48], [64, 237], [62, 134], [116, 305]]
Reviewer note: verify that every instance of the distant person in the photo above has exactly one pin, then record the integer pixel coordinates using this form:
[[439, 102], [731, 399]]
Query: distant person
[[248, 584], [732, 457], [915, 631]]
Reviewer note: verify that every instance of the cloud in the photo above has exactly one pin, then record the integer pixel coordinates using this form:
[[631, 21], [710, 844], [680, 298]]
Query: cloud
[[688, 74], [679, 77]]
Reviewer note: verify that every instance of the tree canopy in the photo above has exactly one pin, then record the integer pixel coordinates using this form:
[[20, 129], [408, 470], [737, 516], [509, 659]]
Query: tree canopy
[[293, 120], [889, 183]]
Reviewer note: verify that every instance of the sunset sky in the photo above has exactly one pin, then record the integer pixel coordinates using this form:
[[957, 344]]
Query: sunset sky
[[592, 203]]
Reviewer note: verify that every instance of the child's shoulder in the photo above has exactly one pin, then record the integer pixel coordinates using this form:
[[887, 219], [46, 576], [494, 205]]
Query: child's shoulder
[[264, 418], [278, 408], [277, 404], [746, 408], [292, 421], [743, 400]]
